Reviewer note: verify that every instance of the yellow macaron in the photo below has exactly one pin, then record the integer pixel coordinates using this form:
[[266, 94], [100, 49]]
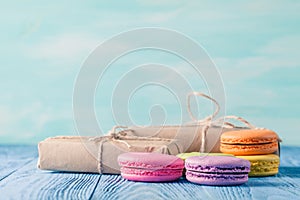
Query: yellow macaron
[[184, 156], [263, 165]]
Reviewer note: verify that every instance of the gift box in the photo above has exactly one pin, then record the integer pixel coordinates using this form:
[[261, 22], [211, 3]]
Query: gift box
[[192, 138], [97, 154], [200, 136], [203, 137]]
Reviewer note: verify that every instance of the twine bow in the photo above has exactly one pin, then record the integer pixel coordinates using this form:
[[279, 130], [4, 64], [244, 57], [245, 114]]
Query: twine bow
[[206, 122], [122, 137], [209, 121], [113, 135]]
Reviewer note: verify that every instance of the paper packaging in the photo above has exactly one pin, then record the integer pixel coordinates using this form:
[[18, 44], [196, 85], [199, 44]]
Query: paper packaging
[[189, 136], [81, 154]]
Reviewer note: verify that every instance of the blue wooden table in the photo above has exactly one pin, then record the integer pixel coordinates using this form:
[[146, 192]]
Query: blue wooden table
[[20, 179]]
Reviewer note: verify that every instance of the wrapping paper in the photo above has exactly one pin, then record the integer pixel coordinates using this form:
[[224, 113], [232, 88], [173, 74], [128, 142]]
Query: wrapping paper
[[190, 137], [96, 155], [99, 155]]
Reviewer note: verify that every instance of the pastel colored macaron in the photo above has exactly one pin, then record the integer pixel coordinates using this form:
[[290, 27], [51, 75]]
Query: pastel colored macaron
[[184, 156], [263, 165], [217, 170], [249, 142], [150, 167]]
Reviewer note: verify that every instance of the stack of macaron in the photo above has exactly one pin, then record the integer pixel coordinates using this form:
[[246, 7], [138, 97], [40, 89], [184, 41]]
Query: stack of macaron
[[257, 146]]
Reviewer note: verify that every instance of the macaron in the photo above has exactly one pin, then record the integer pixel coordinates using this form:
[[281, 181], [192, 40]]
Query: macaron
[[150, 167], [184, 156], [263, 165], [249, 142], [217, 170]]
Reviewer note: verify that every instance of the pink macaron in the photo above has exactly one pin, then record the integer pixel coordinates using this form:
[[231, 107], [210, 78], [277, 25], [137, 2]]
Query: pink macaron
[[150, 167]]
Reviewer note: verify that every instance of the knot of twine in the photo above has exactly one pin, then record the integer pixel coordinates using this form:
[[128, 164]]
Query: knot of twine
[[113, 135], [209, 121], [122, 137]]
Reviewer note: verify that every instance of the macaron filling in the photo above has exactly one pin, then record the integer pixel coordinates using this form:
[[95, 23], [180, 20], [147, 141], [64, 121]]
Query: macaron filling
[[215, 169], [215, 176], [248, 149], [230, 140]]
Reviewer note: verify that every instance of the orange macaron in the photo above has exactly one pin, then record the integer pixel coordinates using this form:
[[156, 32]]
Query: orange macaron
[[249, 142]]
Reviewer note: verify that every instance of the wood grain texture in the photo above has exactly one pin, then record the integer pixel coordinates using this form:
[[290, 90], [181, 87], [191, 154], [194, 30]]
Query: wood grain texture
[[31, 183], [27, 182], [282, 186], [13, 157]]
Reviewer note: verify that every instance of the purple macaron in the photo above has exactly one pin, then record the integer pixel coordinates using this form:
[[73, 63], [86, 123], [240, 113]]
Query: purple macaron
[[217, 170]]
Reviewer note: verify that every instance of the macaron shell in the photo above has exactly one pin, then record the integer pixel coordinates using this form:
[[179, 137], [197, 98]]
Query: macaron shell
[[145, 175], [217, 164], [240, 149], [184, 156], [216, 179], [150, 161], [265, 172], [147, 178], [249, 137], [263, 165]]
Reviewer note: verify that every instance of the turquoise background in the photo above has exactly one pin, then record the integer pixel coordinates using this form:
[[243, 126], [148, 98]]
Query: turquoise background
[[254, 44]]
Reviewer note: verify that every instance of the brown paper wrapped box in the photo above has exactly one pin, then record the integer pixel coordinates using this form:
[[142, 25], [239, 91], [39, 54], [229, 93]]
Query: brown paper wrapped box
[[99, 155], [96, 155], [190, 137]]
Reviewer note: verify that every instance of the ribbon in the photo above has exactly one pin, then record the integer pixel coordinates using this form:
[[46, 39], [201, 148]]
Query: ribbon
[[123, 137], [206, 122], [209, 121]]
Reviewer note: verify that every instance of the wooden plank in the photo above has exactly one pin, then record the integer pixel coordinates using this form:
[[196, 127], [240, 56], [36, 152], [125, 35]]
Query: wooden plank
[[31, 183], [115, 187], [12, 157], [290, 156], [17, 151], [282, 186]]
